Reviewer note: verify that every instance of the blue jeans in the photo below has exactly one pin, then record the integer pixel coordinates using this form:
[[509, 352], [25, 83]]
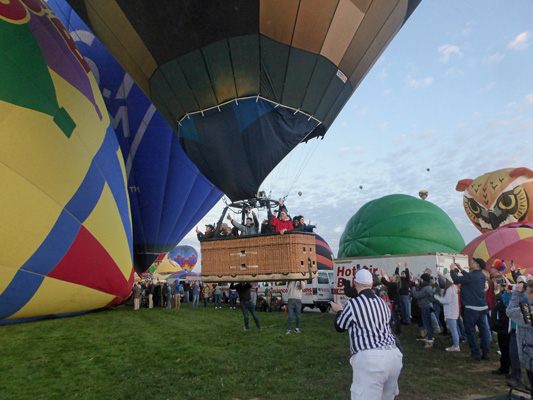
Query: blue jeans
[[294, 306], [452, 325], [217, 300], [404, 306], [461, 328], [206, 300], [232, 301], [186, 296], [426, 320], [475, 318], [195, 299], [249, 306]]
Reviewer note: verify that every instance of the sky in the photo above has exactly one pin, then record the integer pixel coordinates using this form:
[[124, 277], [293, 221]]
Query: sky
[[453, 92]]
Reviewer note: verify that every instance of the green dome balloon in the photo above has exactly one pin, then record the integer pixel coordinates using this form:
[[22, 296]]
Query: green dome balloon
[[399, 224]]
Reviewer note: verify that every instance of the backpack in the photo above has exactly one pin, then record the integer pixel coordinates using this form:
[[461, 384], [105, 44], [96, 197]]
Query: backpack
[[385, 297]]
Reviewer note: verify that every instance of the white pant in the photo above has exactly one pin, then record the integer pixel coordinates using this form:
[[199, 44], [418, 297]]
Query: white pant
[[375, 374]]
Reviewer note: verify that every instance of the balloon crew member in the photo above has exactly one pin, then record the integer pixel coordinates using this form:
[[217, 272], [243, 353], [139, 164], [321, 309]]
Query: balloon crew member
[[376, 360], [247, 305]]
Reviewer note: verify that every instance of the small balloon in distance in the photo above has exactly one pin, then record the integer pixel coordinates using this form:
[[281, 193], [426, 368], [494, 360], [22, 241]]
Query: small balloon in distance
[[299, 193], [423, 194], [360, 187]]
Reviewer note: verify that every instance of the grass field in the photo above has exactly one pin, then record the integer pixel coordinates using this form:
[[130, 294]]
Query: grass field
[[205, 354]]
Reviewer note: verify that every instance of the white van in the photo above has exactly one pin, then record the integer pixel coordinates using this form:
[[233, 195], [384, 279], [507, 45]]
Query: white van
[[318, 292]]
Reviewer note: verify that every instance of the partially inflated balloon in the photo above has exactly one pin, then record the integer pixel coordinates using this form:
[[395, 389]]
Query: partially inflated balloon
[[168, 195], [66, 230], [324, 255], [245, 81], [513, 242], [185, 256], [498, 198], [399, 224]]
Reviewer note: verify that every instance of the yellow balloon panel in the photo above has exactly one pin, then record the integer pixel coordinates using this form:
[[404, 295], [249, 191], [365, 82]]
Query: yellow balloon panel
[[80, 298]]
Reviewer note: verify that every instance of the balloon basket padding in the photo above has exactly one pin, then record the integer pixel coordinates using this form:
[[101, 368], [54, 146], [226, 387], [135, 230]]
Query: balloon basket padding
[[291, 256]]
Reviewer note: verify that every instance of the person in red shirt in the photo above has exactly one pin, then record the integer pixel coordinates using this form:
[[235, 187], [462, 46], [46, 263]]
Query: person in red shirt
[[282, 223]]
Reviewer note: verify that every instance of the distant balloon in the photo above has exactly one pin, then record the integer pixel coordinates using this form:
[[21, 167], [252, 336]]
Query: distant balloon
[[360, 187], [423, 194], [299, 193], [427, 169], [399, 224], [185, 256], [498, 198]]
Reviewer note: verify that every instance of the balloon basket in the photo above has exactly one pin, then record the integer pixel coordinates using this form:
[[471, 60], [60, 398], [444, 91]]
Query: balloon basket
[[259, 258]]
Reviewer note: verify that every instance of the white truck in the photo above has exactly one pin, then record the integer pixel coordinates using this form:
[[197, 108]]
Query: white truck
[[318, 292], [345, 268]]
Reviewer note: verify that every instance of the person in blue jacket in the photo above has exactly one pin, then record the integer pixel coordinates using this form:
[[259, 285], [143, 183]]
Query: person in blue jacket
[[475, 306]]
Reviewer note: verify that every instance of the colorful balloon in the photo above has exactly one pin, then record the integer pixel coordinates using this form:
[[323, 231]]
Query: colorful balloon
[[399, 224], [513, 242], [498, 198], [423, 194], [263, 77], [185, 256], [66, 235], [168, 195], [324, 255]]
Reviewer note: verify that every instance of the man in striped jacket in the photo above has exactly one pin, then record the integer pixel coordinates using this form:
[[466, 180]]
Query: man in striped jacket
[[376, 361]]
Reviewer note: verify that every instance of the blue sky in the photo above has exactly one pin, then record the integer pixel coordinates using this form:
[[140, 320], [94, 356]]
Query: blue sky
[[453, 92]]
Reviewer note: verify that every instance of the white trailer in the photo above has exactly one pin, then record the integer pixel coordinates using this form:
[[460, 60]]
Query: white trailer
[[345, 268]]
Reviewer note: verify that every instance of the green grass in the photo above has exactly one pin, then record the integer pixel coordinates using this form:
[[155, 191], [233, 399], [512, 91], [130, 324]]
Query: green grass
[[205, 354]]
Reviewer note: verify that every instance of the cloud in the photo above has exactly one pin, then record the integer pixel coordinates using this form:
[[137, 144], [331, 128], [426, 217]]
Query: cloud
[[493, 59], [521, 42], [416, 83], [447, 50], [529, 99]]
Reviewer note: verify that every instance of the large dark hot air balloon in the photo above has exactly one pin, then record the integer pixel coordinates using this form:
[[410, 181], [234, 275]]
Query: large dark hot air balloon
[[245, 81]]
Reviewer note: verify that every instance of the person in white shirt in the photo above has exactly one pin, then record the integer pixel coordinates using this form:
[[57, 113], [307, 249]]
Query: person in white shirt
[[294, 304]]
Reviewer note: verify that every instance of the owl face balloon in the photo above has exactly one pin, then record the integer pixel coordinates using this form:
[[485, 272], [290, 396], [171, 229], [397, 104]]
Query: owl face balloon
[[498, 198]]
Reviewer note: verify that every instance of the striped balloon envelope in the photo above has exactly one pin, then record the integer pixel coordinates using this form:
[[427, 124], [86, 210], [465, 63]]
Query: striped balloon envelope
[[512, 242], [252, 78], [66, 232], [324, 255]]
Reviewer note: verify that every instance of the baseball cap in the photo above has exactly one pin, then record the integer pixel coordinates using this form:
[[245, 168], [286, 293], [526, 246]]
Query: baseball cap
[[364, 277], [480, 262], [210, 226]]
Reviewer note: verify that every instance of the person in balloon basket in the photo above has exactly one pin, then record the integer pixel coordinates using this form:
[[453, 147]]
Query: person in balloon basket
[[209, 233], [251, 227], [475, 306], [376, 360], [282, 223], [247, 305]]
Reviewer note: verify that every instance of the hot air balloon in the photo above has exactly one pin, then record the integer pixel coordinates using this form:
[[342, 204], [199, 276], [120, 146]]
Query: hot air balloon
[[513, 242], [245, 81], [66, 232], [168, 195], [399, 224], [324, 255], [498, 198], [423, 194], [185, 256]]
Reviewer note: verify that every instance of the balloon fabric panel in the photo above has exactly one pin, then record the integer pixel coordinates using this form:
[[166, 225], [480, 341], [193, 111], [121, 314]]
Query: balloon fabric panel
[[58, 201], [168, 195]]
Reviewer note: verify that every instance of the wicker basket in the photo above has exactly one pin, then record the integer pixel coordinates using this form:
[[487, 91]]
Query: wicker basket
[[258, 258]]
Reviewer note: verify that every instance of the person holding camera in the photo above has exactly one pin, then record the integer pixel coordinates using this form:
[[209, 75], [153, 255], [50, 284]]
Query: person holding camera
[[519, 311], [376, 360], [475, 303]]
